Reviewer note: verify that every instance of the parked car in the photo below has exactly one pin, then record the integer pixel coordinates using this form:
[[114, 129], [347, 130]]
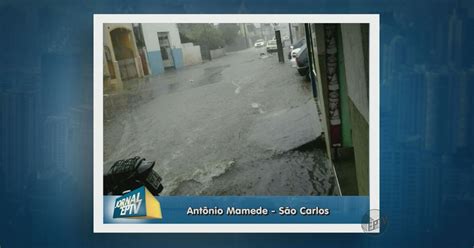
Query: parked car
[[296, 45], [302, 61], [293, 57], [259, 43], [272, 46]]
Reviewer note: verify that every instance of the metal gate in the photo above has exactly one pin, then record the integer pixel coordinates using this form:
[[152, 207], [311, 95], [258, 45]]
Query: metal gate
[[205, 52], [127, 68]]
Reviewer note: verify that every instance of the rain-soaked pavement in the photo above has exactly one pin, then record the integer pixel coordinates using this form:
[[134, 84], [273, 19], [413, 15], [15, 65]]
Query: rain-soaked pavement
[[236, 125]]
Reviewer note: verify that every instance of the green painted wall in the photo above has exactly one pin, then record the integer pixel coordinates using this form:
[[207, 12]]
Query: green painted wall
[[360, 139]]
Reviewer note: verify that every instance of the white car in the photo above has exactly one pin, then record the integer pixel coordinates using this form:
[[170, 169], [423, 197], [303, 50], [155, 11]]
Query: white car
[[272, 46], [259, 43]]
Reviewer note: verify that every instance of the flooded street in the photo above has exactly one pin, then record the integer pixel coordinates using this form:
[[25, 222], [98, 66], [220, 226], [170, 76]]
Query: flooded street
[[236, 125]]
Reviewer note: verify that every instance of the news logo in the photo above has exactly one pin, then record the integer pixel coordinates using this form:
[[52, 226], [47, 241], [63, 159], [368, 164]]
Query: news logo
[[373, 222], [139, 203]]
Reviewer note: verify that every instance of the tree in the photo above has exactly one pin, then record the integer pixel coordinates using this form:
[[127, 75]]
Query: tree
[[203, 34], [229, 31], [251, 28]]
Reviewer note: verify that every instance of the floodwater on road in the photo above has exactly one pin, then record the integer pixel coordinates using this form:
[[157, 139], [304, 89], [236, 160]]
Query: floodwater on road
[[232, 126]]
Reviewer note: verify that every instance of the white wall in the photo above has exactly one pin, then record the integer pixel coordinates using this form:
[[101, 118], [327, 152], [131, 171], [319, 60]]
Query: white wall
[[191, 54], [355, 69], [217, 53], [150, 33]]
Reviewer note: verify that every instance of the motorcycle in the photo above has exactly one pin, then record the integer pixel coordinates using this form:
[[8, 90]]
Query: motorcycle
[[128, 174]]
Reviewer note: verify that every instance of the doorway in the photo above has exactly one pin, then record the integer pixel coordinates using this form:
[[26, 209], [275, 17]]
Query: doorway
[[165, 48], [123, 45]]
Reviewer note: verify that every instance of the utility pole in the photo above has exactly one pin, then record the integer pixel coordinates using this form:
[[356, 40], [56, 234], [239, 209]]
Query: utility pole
[[281, 58], [291, 34], [245, 33]]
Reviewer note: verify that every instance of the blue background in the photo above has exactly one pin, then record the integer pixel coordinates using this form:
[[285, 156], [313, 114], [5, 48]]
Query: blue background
[[426, 129]]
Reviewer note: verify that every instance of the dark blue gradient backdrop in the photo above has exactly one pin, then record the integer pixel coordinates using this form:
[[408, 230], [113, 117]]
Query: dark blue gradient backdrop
[[426, 123]]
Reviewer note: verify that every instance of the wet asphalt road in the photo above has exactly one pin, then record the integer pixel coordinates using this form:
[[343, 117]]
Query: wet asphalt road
[[231, 126]]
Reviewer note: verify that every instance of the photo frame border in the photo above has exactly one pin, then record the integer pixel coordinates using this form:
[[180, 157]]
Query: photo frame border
[[374, 107]]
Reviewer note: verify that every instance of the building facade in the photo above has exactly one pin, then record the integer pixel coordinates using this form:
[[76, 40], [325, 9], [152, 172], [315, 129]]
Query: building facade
[[122, 60], [163, 44], [339, 65], [136, 50]]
